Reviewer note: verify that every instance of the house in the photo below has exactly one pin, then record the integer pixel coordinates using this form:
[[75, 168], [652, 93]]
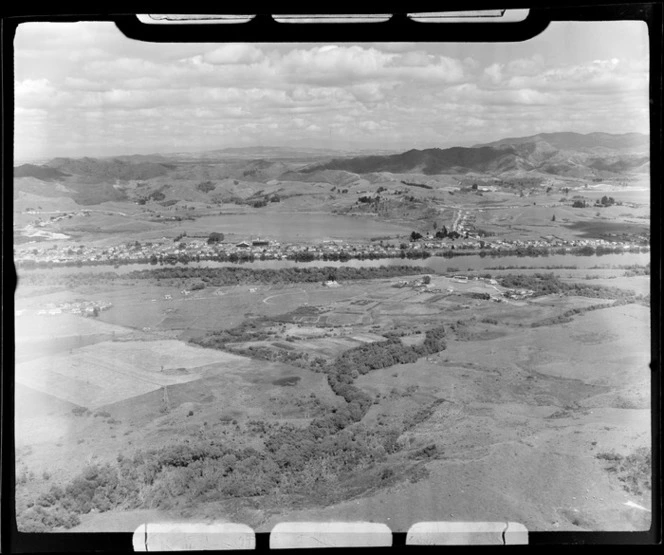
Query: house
[[260, 243], [243, 245]]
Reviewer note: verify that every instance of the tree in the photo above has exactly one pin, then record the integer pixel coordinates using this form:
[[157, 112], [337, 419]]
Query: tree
[[553, 218], [415, 236], [215, 237]]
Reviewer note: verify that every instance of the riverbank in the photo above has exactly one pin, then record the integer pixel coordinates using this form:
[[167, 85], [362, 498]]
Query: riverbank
[[433, 264]]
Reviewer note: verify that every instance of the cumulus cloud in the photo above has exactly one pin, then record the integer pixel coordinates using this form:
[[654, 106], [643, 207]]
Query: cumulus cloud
[[230, 54], [85, 82]]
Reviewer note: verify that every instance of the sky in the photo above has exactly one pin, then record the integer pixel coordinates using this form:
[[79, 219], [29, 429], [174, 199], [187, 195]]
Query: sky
[[84, 89]]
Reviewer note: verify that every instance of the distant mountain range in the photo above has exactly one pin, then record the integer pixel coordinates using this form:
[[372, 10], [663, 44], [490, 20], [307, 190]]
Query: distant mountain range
[[578, 142], [566, 154]]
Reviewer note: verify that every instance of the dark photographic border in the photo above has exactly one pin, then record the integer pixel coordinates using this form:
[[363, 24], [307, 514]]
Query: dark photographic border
[[264, 29]]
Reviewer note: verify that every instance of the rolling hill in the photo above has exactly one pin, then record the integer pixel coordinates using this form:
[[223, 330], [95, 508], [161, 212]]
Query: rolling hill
[[248, 171], [43, 173], [103, 170], [553, 153], [628, 142]]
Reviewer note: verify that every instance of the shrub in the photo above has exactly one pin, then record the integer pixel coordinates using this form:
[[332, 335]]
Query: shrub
[[206, 186], [38, 519], [428, 452]]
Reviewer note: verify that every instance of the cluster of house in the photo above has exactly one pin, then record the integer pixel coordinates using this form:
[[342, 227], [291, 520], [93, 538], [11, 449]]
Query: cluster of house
[[84, 308], [518, 293], [424, 285]]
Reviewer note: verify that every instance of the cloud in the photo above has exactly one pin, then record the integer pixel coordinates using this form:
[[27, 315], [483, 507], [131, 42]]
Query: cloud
[[230, 54], [87, 83], [494, 73]]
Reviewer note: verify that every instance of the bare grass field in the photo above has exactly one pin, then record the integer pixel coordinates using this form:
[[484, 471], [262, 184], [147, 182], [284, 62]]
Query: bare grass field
[[333, 346], [30, 325], [639, 284], [540, 403], [296, 226], [512, 398], [112, 371]]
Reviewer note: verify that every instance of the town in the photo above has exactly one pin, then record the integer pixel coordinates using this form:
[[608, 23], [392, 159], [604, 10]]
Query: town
[[195, 249]]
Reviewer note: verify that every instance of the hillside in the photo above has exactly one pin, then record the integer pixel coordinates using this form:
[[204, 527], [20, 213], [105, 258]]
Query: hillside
[[38, 172], [429, 161], [254, 172], [568, 154], [579, 142], [102, 170]]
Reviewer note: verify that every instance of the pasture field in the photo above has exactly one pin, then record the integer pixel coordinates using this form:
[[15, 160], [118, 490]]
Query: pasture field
[[146, 306], [39, 336], [327, 347], [33, 326], [109, 372], [537, 405], [507, 402], [639, 284], [303, 227]]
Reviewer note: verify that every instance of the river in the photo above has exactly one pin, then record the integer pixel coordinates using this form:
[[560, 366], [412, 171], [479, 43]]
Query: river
[[434, 264]]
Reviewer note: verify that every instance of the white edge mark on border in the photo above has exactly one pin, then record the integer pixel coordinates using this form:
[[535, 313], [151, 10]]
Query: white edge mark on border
[[293, 535], [467, 533], [191, 536]]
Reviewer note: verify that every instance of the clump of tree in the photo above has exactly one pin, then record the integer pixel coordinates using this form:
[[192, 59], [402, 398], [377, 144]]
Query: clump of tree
[[421, 185], [634, 470], [215, 237], [548, 284], [206, 186], [157, 196], [606, 201], [98, 488], [220, 277]]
